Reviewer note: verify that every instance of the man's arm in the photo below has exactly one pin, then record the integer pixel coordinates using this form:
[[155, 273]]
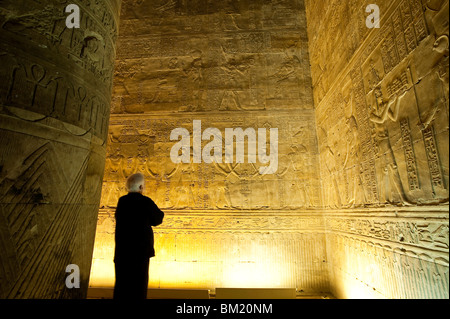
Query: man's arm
[[118, 208], [156, 215]]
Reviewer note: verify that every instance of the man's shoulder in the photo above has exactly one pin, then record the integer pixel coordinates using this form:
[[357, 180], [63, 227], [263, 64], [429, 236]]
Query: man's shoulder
[[147, 199], [136, 196], [127, 198], [124, 197], [132, 195]]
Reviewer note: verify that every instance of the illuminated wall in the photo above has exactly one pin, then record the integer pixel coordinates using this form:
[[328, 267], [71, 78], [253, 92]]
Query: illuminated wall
[[359, 203], [381, 98], [55, 94], [229, 65]]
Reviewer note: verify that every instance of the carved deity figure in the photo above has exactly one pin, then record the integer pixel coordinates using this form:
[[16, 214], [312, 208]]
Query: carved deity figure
[[218, 193], [391, 188], [287, 73], [297, 187], [333, 192], [114, 162], [440, 48], [238, 177], [192, 77], [181, 184], [352, 165], [374, 77]]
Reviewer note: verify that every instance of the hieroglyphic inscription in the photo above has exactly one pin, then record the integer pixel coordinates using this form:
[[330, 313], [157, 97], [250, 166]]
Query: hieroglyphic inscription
[[367, 147], [417, 232], [51, 93], [408, 148], [383, 69], [91, 47], [144, 145], [233, 221], [396, 103], [88, 52], [433, 157], [399, 84], [389, 51], [396, 272]]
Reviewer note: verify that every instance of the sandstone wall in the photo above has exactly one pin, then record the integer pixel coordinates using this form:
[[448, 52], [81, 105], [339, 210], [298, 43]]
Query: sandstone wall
[[361, 210], [381, 98], [229, 64], [55, 90]]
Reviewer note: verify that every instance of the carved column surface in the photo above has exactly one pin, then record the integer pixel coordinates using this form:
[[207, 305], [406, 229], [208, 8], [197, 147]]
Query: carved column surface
[[55, 89]]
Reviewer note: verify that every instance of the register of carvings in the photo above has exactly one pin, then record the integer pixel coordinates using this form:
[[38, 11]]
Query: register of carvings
[[143, 144], [229, 65]]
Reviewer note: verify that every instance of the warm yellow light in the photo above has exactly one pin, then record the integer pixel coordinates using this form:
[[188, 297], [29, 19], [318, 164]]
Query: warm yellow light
[[248, 275], [211, 259], [360, 287], [192, 275], [102, 273]]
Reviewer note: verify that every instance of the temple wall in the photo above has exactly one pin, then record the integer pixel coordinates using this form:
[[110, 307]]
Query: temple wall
[[228, 64], [55, 91], [359, 203], [381, 98]]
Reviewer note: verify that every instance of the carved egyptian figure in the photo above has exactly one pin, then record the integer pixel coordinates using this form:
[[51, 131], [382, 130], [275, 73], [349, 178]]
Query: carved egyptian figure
[[184, 191], [390, 184], [298, 188], [334, 196], [352, 164]]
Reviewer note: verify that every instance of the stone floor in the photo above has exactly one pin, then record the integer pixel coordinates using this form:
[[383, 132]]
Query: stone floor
[[223, 293]]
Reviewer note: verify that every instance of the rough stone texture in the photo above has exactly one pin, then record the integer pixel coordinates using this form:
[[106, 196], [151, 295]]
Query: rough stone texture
[[381, 99], [229, 64], [55, 90]]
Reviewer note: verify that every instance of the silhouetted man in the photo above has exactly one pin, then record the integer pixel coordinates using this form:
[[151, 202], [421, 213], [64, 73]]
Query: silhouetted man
[[135, 214]]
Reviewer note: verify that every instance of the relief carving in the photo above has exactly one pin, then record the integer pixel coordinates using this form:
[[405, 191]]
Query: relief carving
[[391, 188], [54, 109], [365, 184], [395, 85]]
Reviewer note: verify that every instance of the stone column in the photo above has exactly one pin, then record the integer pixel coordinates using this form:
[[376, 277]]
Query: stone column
[[55, 89], [381, 110]]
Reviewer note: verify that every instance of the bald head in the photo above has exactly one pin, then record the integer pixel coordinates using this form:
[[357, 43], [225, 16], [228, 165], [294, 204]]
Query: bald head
[[135, 183]]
